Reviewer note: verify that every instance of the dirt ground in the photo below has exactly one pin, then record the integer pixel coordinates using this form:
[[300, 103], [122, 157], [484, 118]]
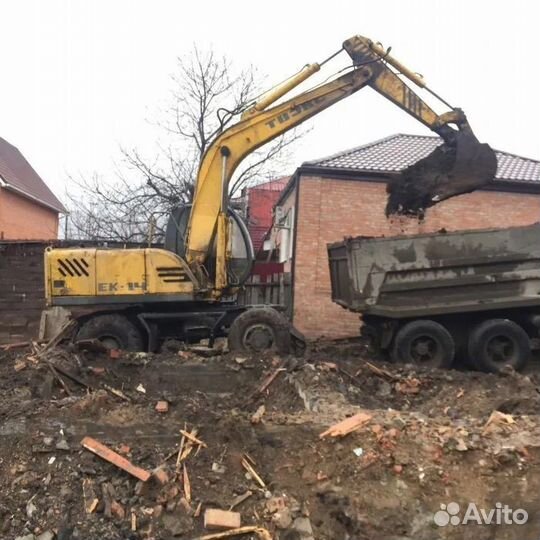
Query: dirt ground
[[431, 438]]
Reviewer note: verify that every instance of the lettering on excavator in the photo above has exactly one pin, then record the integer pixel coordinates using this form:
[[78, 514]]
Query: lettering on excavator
[[294, 111]]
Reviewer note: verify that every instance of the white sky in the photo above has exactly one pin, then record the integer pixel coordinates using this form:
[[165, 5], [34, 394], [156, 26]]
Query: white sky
[[81, 77]]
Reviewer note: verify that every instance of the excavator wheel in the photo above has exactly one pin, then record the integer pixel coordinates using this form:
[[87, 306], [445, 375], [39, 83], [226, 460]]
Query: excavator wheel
[[114, 331], [260, 329]]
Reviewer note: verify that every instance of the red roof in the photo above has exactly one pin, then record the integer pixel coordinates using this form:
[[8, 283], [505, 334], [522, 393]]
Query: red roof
[[18, 175]]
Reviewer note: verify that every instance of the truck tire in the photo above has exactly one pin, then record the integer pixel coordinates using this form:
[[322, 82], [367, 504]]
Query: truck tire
[[114, 331], [497, 343], [424, 343], [260, 329]]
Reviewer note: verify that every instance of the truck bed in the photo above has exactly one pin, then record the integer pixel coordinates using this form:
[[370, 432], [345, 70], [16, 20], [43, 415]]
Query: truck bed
[[439, 273]]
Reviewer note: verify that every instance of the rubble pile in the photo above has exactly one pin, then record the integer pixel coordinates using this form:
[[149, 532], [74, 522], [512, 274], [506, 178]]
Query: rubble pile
[[199, 443]]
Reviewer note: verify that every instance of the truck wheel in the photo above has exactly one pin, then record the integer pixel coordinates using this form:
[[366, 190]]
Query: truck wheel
[[496, 343], [424, 343], [260, 329], [114, 331]]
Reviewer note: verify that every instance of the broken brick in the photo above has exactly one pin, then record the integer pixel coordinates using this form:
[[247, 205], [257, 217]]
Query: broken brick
[[221, 519], [124, 449], [117, 510], [115, 353], [162, 406], [160, 474]]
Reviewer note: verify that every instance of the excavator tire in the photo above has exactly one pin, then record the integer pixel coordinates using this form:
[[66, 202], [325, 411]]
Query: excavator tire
[[114, 331], [260, 329]]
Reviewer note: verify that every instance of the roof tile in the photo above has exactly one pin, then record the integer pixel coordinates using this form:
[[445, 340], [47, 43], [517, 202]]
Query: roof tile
[[18, 174], [396, 152]]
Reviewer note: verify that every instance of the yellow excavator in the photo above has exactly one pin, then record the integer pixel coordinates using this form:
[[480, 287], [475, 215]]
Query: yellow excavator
[[137, 298]]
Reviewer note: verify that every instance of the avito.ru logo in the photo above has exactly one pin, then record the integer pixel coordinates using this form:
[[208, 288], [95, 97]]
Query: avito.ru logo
[[450, 514]]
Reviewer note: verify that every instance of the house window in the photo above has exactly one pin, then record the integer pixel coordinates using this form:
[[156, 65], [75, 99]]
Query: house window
[[286, 226]]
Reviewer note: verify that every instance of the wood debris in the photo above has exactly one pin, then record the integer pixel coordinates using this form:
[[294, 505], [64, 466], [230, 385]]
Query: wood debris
[[60, 335], [261, 533], [498, 421], [240, 499], [249, 468], [347, 426], [116, 459], [192, 438], [267, 382], [89, 495], [187, 484], [379, 372]]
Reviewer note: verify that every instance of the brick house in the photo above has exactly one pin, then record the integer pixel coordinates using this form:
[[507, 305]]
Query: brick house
[[28, 208], [259, 204], [345, 195]]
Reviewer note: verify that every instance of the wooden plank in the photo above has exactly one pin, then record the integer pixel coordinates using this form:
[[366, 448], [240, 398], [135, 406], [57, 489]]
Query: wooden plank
[[347, 426], [116, 459]]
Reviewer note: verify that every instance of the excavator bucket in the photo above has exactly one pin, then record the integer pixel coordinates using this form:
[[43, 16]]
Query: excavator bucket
[[461, 166]]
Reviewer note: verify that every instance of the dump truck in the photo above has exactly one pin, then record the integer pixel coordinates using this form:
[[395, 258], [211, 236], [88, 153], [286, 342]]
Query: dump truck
[[138, 298], [430, 299]]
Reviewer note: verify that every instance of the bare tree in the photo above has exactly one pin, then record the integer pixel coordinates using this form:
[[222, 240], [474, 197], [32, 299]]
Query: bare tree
[[208, 95]]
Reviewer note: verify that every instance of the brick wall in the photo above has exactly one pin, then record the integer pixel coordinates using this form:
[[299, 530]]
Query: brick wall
[[22, 219], [21, 290], [332, 209], [22, 287]]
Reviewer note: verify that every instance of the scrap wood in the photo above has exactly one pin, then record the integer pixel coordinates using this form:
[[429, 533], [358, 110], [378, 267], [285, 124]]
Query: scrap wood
[[192, 438], [59, 336], [69, 374], [347, 426], [249, 468], [187, 484], [186, 447], [261, 533], [89, 496], [497, 419], [116, 459], [240, 499], [63, 383], [380, 372], [267, 382], [116, 392], [16, 345]]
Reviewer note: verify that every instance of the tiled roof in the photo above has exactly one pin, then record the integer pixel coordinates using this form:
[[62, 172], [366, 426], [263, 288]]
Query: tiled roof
[[396, 152], [16, 173]]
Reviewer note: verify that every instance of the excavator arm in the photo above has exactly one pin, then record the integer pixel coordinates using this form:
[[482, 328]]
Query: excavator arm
[[451, 170]]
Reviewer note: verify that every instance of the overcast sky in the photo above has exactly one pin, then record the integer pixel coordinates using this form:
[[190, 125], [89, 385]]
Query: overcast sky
[[81, 77]]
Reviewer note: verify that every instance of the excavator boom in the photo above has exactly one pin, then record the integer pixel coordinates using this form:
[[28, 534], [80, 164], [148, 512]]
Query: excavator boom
[[461, 164]]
